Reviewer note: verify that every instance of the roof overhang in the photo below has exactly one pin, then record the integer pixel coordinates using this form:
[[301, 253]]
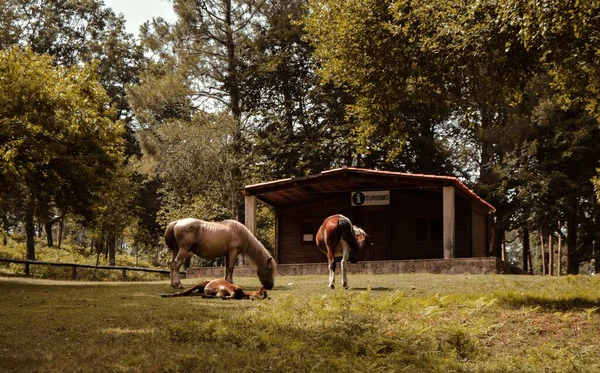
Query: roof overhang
[[308, 189]]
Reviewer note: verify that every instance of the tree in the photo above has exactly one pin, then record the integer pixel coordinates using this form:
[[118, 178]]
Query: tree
[[400, 96], [76, 32], [61, 143], [197, 59], [509, 81], [298, 124]]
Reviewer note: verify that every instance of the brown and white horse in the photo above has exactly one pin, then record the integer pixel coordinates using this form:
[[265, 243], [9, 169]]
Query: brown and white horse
[[338, 237], [211, 240], [219, 288]]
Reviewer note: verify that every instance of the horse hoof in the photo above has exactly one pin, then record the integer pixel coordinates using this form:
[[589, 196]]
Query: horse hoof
[[332, 286], [177, 286]]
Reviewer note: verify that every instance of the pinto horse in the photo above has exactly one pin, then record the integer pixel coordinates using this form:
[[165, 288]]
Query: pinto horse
[[210, 240], [338, 237], [220, 288]]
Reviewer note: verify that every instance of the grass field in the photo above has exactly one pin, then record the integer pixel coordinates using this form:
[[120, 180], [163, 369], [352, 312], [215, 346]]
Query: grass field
[[385, 323]]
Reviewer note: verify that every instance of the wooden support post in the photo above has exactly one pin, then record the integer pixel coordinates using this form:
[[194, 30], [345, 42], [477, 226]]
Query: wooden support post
[[26, 268], [250, 213], [124, 274], [74, 273], [550, 256], [558, 259], [449, 221]]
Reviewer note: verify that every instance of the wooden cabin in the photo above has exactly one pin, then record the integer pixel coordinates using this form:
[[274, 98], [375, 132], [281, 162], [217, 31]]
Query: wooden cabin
[[408, 216]]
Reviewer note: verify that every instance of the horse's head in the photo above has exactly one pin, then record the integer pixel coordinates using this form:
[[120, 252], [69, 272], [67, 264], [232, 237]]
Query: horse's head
[[362, 238], [259, 294], [266, 273]]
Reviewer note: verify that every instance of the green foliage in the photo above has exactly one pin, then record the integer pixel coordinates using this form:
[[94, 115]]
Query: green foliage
[[75, 32], [61, 144], [298, 121], [197, 165], [399, 89]]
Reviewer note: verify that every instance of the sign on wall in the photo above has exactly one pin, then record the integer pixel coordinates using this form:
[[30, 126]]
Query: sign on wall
[[371, 198]]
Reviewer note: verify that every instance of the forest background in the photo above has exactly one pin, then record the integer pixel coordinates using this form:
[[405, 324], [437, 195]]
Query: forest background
[[106, 136]]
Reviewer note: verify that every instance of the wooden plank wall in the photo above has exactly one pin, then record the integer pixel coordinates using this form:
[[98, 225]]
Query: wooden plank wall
[[393, 226], [291, 247]]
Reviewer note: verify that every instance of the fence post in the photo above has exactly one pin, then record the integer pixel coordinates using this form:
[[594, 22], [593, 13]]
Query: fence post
[[124, 274], [26, 268], [74, 273]]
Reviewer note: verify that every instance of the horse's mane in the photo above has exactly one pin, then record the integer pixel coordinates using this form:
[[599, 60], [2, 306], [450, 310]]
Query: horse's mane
[[358, 231], [253, 248]]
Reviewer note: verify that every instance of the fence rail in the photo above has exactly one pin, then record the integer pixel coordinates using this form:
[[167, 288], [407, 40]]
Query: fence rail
[[74, 267]]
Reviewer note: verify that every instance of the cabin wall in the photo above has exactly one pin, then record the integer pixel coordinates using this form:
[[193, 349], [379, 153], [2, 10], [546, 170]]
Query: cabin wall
[[409, 228], [292, 248]]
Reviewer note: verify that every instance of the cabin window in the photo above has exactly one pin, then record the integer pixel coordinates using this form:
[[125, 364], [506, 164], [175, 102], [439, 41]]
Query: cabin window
[[429, 228], [308, 231]]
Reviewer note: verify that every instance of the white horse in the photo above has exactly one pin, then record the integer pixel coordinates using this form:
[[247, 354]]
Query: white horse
[[211, 240]]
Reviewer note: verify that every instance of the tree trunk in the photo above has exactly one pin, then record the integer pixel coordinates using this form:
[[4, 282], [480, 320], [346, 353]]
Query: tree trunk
[[30, 227], [111, 249], [5, 227], [526, 249], [543, 254], [497, 240], [572, 255], [48, 228], [232, 77], [61, 226], [597, 239]]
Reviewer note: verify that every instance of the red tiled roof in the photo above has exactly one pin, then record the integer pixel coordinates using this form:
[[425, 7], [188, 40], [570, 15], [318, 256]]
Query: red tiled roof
[[296, 190]]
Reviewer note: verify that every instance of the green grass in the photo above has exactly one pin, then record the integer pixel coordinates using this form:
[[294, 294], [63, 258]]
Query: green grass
[[386, 323]]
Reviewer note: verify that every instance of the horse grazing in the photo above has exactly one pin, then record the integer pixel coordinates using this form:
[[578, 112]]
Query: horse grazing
[[210, 240], [220, 288], [338, 237]]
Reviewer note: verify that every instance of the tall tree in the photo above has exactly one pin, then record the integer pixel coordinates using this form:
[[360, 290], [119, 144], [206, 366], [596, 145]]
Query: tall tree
[[58, 135], [197, 58], [76, 32], [400, 96], [298, 124]]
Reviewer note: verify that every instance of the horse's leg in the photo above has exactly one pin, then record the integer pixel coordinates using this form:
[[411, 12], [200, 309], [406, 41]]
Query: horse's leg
[[175, 265], [331, 260], [194, 290], [230, 264], [344, 264]]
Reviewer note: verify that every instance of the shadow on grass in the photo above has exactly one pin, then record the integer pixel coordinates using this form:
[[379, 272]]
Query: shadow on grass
[[551, 304], [378, 288]]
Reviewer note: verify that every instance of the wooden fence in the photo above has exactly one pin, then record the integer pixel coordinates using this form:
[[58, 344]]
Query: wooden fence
[[74, 267]]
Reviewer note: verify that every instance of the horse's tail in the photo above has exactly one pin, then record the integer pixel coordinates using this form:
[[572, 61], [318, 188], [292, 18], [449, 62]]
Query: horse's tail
[[347, 233], [170, 240]]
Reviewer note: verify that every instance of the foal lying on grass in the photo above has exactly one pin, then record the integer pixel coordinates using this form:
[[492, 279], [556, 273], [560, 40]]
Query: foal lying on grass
[[220, 288]]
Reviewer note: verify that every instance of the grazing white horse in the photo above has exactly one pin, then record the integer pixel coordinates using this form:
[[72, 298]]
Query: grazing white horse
[[211, 240]]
